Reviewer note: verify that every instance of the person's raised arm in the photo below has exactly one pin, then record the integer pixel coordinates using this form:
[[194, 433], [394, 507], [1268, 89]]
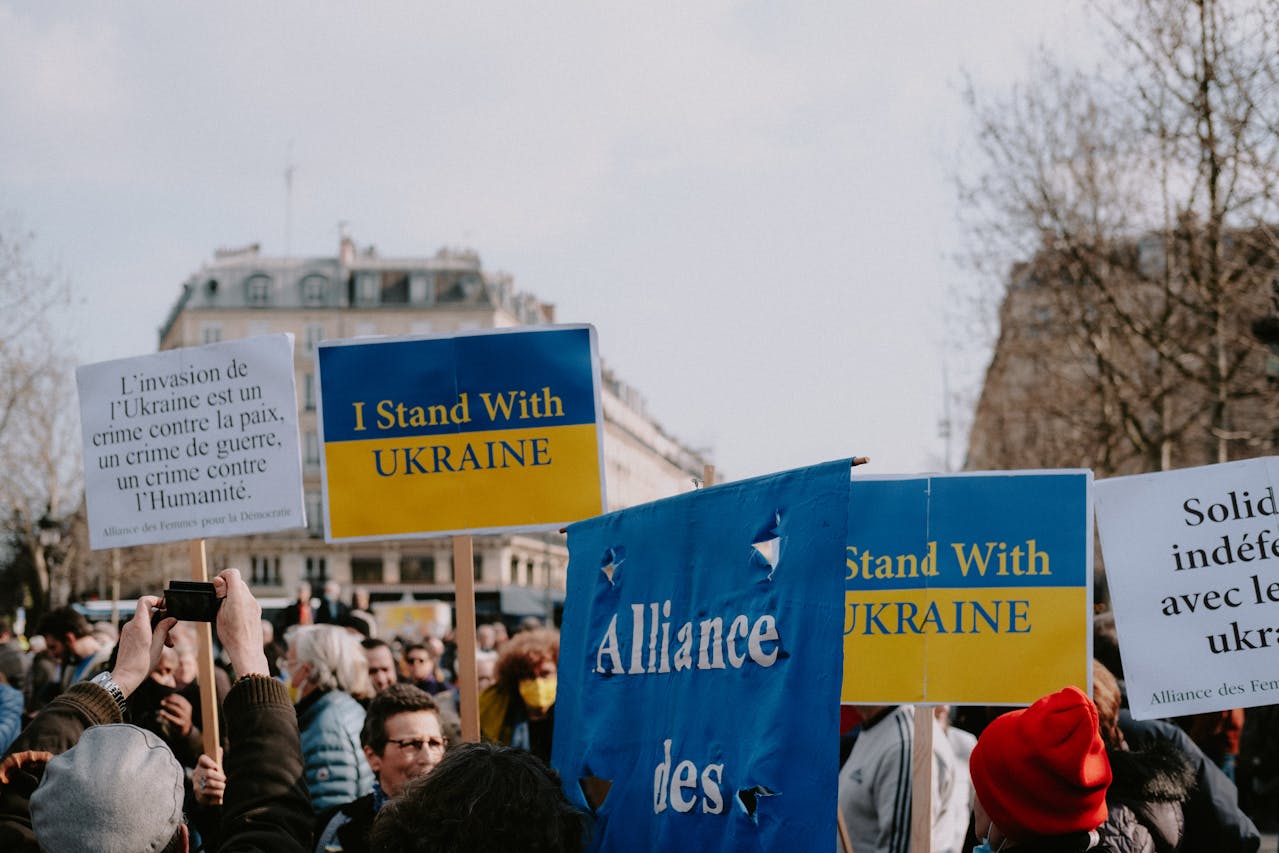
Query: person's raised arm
[[139, 649], [265, 806], [240, 625]]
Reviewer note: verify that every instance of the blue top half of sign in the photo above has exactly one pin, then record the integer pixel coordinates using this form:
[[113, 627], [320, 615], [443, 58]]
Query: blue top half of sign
[[540, 377], [1016, 526]]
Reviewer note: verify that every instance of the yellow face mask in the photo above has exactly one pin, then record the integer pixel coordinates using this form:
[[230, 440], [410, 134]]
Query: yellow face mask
[[538, 693]]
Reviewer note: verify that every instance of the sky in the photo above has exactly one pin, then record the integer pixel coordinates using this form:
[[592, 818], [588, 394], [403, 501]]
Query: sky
[[752, 202]]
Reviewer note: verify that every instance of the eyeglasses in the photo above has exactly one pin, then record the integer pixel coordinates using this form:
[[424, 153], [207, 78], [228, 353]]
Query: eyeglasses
[[415, 744]]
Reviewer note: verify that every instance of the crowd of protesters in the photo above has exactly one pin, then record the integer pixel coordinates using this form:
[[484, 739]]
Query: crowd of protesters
[[333, 739], [1069, 774], [324, 727]]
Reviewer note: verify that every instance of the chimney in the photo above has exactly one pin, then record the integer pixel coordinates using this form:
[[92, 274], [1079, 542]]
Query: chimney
[[346, 248]]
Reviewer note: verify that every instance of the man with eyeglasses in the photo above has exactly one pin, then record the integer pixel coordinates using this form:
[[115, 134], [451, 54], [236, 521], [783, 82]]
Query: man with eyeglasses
[[402, 740]]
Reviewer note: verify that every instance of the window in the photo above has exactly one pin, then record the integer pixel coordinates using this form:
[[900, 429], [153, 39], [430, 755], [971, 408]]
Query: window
[[479, 566], [308, 392], [210, 333], [314, 334], [366, 569], [257, 290], [314, 290], [312, 447], [417, 568], [395, 288], [314, 510], [259, 327], [317, 571], [264, 570]]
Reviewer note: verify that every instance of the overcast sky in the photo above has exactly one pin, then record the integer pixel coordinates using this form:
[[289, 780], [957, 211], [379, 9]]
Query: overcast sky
[[749, 200]]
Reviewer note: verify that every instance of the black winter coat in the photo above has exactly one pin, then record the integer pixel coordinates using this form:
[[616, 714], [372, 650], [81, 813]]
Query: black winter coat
[[1145, 799]]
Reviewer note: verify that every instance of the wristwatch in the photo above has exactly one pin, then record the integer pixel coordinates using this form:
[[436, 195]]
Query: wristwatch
[[104, 680]]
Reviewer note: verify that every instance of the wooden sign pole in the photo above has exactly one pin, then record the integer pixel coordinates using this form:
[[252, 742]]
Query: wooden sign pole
[[204, 660], [468, 705], [844, 840], [921, 774]]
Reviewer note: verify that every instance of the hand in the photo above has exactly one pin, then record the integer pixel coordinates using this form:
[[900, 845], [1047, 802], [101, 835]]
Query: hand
[[139, 648], [208, 781], [240, 624], [175, 709]]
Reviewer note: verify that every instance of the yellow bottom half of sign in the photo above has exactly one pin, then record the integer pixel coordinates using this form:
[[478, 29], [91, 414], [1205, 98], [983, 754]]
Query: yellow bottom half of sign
[[964, 646], [511, 478]]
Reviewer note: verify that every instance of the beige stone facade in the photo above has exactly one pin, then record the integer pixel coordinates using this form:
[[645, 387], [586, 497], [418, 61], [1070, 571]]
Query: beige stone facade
[[243, 293]]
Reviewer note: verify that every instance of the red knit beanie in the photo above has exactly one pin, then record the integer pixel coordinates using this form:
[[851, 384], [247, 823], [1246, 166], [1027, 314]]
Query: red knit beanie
[[1043, 770]]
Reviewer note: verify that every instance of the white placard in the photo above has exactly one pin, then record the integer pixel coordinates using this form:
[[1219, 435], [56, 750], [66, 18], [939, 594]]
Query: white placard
[[1192, 558], [191, 443]]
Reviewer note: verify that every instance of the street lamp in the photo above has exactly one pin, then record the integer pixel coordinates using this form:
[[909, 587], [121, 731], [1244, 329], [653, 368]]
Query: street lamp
[[49, 534]]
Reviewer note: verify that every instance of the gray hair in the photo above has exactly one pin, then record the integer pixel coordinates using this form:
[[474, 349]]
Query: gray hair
[[335, 656]]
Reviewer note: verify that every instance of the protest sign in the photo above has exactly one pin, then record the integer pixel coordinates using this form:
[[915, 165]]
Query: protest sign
[[481, 433], [1192, 561], [968, 588], [191, 443], [698, 669]]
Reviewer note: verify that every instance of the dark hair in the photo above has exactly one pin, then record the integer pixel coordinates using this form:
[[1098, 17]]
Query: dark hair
[[523, 653], [1105, 643], [396, 699], [371, 643], [65, 620], [481, 797], [416, 647]]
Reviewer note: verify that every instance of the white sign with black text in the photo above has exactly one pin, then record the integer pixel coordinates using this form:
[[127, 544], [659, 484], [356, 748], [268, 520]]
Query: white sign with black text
[[191, 443], [1192, 559]]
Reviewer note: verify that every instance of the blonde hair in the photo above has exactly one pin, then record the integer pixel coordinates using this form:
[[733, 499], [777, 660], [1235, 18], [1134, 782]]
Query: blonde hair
[[335, 657]]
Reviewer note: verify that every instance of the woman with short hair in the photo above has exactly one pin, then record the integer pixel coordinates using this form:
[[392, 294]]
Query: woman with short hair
[[327, 667]]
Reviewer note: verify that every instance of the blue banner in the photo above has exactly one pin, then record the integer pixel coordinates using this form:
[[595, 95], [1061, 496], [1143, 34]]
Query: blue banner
[[699, 671]]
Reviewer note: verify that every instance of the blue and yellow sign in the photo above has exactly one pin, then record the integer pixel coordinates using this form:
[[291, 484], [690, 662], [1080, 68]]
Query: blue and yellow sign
[[968, 589], [477, 433]]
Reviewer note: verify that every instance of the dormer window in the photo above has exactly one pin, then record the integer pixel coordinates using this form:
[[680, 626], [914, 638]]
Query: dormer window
[[314, 290], [257, 290]]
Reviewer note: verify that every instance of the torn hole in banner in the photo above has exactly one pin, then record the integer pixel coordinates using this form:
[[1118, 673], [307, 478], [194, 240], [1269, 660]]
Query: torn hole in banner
[[612, 561], [748, 799], [766, 546], [595, 790]]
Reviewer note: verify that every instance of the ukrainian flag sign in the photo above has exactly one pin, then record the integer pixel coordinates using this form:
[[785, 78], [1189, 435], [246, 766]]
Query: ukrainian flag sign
[[478, 433], [970, 589]]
